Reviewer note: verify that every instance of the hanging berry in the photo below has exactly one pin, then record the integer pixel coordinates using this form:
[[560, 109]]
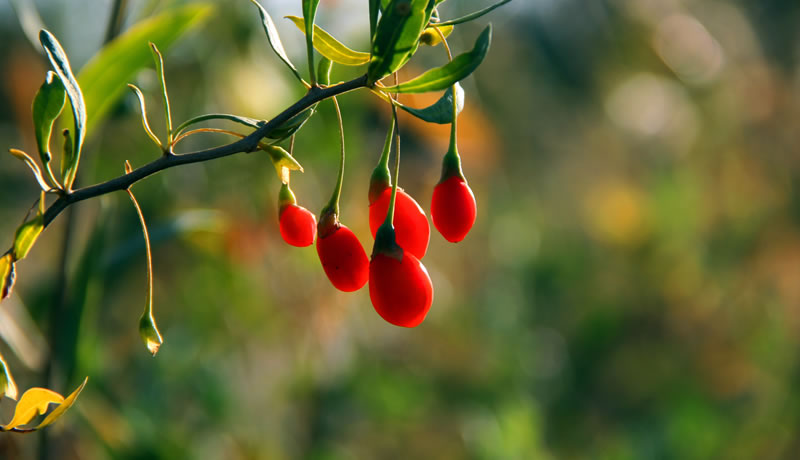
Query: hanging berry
[[298, 225], [341, 254], [410, 222], [453, 208], [399, 285], [343, 258]]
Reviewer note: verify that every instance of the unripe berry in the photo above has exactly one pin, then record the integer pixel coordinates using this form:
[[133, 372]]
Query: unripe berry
[[410, 222], [453, 208], [343, 258], [298, 225], [400, 290]]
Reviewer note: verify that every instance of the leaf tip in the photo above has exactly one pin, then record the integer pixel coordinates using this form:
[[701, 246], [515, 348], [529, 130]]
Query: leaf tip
[[150, 335]]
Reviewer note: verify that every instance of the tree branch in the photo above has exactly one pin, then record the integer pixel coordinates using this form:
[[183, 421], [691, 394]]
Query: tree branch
[[247, 144]]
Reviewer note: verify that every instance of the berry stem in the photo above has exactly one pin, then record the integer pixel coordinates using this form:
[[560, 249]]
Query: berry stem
[[451, 164], [333, 204]]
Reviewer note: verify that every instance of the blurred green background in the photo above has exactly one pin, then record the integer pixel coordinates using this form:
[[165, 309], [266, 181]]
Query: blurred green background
[[631, 289]]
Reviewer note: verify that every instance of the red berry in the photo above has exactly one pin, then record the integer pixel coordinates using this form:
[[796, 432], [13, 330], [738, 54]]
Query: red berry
[[343, 259], [298, 225], [401, 290], [410, 222], [453, 208]]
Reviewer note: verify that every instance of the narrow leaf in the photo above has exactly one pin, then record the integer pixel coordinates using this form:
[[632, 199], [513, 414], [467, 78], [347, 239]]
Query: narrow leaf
[[58, 58], [26, 236], [68, 165], [309, 14], [59, 411], [159, 61], [33, 402], [147, 324], [324, 70], [105, 76], [441, 111], [459, 68], [7, 275], [374, 9], [471, 16], [37, 173], [281, 159], [47, 107], [330, 47], [7, 385], [250, 122], [397, 36], [291, 125], [275, 39], [143, 109]]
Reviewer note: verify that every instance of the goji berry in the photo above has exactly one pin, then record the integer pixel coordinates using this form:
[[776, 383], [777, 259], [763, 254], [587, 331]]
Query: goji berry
[[410, 222], [343, 258], [298, 225], [453, 208], [399, 285]]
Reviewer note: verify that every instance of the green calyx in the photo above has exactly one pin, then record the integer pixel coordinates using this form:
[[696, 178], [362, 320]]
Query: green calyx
[[285, 198], [381, 176], [451, 165], [386, 243]]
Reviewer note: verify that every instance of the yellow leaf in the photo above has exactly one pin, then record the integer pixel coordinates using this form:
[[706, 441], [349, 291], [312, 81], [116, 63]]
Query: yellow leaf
[[431, 37], [32, 403], [26, 236], [7, 385], [330, 47], [7, 275], [59, 411]]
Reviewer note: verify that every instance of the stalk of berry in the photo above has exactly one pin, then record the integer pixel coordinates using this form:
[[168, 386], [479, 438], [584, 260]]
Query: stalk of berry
[[399, 285], [297, 224], [453, 206], [343, 258], [410, 222]]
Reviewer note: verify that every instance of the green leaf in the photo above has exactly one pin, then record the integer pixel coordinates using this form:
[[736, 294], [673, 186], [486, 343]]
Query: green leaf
[[441, 111], [309, 14], [143, 109], [251, 122], [397, 36], [105, 77], [61, 65], [459, 68], [374, 9], [26, 236], [330, 47], [281, 158], [66, 404], [159, 61], [147, 324], [324, 70], [68, 164], [275, 39], [7, 385], [47, 107], [471, 16], [7, 275], [291, 125]]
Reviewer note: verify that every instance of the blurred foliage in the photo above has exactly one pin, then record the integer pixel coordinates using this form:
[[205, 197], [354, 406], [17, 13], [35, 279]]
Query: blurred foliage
[[630, 290]]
